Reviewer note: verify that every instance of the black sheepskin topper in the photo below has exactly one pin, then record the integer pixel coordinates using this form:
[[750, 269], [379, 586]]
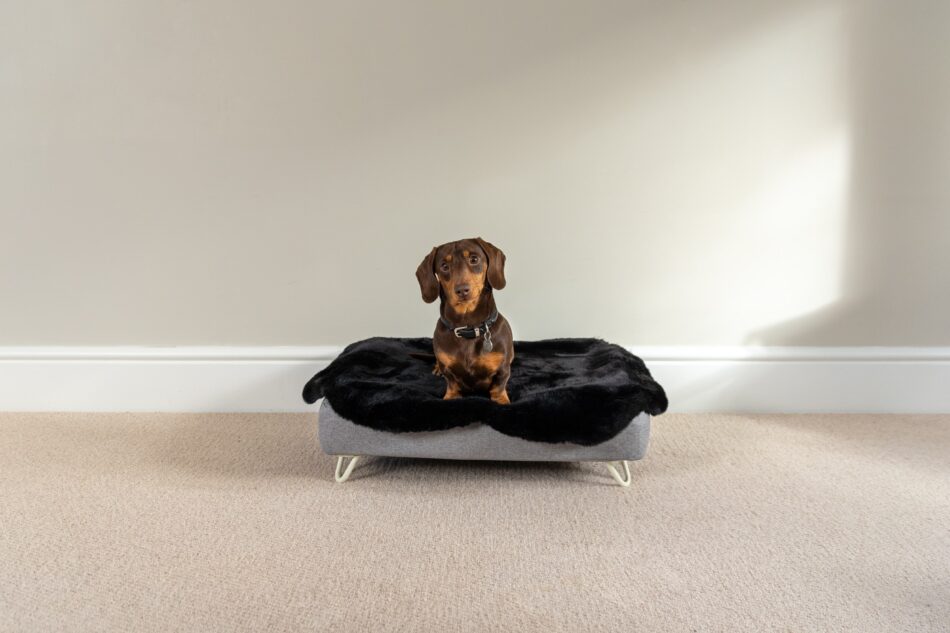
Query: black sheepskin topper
[[583, 391]]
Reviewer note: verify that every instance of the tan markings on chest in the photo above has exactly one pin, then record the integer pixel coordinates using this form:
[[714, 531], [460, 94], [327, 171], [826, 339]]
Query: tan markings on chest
[[490, 362], [446, 360], [479, 368]]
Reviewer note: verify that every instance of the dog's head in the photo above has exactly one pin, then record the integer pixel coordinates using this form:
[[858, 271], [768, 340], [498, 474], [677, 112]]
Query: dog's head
[[461, 270]]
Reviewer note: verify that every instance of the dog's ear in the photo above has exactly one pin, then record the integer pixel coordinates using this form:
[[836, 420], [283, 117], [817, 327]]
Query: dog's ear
[[496, 263], [428, 282]]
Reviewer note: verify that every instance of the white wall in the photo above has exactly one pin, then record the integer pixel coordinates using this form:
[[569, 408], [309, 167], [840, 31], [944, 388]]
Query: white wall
[[659, 173]]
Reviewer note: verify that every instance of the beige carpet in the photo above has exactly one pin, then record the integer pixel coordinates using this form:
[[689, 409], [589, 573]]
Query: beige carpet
[[232, 522]]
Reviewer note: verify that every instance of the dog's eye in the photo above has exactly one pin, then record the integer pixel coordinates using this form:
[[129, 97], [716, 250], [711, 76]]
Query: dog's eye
[[473, 261], [444, 267]]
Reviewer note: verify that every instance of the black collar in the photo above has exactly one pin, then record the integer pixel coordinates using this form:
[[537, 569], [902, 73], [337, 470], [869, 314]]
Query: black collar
[[471, 331]]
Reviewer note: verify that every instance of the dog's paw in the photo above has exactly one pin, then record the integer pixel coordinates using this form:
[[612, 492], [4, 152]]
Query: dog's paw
[[500, 397]]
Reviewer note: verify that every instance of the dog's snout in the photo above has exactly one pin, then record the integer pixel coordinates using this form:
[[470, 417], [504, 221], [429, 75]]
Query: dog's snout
[[463, 291]]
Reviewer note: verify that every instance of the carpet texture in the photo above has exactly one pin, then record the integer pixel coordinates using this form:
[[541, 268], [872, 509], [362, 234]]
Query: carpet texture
[[232, 522]]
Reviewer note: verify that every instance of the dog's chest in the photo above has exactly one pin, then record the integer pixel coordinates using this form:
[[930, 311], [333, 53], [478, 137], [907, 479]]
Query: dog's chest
[[473, 367]]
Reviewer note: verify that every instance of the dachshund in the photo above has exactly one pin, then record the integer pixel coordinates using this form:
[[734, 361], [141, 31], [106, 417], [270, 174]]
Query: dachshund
[[473, 344]]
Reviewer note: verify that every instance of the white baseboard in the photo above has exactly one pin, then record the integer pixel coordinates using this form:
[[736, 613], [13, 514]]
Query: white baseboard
[[808, 380], [733, 379]]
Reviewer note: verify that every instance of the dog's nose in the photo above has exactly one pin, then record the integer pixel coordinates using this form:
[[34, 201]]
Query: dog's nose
[[462, 291]]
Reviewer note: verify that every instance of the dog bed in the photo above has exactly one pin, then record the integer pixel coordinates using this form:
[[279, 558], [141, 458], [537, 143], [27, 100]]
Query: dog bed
[[572, 400]]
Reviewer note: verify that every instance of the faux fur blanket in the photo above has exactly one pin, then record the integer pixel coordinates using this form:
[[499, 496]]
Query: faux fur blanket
[[583, 391]]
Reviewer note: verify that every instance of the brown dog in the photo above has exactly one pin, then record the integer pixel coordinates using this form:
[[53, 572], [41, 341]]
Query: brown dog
[[472, 342]]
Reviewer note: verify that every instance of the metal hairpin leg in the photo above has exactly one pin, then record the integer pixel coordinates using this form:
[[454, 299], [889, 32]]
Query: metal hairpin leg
[[342, 474], [624, 479]]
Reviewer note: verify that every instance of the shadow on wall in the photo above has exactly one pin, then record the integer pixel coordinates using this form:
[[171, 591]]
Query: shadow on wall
[[887, 165], [899, 129]]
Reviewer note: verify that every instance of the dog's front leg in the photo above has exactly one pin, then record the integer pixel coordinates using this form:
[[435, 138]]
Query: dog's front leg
[[452, 391], [499, 388]]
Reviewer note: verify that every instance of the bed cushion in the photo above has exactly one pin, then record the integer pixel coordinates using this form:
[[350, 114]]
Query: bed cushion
[[581, 391]]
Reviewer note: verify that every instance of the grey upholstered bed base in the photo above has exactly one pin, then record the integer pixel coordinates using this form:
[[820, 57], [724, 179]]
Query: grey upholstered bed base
[[339, 436]]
